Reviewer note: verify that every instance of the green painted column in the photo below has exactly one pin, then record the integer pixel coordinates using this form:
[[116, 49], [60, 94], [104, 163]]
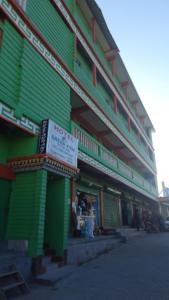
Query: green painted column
[[38, 221], [57, 214], [27, 210]]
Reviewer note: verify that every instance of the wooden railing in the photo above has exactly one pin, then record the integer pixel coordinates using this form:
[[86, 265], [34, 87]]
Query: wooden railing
[[93, 148], [104, 62], [116, 117]]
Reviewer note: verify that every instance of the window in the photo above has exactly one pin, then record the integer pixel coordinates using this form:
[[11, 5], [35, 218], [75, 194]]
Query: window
[[22, 4]]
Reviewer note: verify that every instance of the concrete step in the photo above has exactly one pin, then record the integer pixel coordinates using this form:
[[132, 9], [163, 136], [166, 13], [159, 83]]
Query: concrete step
[[19, 259], [82, 251], [54, 275], [12, 286], [48, 264], [12, 283], [129, 233]]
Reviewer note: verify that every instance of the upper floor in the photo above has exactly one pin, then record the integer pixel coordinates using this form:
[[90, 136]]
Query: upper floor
[[91, 70], [99, 67], [93, 28]]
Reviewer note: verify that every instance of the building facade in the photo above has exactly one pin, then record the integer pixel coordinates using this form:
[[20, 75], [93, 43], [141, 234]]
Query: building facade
[[59, 62]]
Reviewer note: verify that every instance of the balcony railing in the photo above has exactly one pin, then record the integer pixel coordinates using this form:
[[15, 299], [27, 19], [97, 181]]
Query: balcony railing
[[104, 62], [94, 149], [116, 118]]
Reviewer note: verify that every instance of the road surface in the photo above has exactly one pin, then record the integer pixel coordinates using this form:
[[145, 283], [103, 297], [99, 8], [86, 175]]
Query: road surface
[[138, 270]]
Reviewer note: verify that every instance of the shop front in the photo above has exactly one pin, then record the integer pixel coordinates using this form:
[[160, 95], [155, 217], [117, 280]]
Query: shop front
[[39, 211], [86, 214]]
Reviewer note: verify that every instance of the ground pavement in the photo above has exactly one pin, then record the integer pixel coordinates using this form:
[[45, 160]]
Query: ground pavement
[[137, 270]]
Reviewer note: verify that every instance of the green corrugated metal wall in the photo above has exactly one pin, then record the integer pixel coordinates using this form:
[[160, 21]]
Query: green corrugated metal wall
[[23, 146], [24, 74], [42, 83], [26, 78], [27, 210], [57, 214], [10, 55], [33, 89], [111, 211], [49, 23]]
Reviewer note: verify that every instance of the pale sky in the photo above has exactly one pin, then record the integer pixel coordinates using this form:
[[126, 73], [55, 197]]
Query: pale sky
[[141, 31]]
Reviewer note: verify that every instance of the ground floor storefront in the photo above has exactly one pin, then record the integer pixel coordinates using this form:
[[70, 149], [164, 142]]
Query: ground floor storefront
[[92, 199], [35, 193], [46, 201], [113, 204], [164, 206]]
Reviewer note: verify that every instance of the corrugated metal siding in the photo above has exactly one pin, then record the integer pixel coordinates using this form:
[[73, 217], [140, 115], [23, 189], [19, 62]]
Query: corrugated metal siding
[[27, 210], [70, 4], [43, 93], [47, 20], [111, 211], [10, 55], [57, 214], [28, 83]]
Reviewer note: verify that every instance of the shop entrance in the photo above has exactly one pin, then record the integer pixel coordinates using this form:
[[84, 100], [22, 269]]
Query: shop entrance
[[124, 209], [127, 214], [86, 205]]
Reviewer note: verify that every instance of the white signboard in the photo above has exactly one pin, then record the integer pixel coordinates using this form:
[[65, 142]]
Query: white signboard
[[57, 142]]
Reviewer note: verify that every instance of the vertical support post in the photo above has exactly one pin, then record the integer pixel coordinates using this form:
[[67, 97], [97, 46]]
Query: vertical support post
[[75, 47], [129, 123], [120, 212], [73, 195], [101, 209], [135, 105], [94, 75], [36, 241], [142, 120], [125, 86], [113, 62], [115, 103]]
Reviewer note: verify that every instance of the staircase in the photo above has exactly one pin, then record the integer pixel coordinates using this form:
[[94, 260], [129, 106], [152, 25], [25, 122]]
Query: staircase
[[12, 284]]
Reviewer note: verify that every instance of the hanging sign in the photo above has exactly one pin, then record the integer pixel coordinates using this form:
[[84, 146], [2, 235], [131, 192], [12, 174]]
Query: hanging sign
[[57, 142]]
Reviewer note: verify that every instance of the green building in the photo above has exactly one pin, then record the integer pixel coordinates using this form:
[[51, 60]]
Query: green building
[[59, 63]]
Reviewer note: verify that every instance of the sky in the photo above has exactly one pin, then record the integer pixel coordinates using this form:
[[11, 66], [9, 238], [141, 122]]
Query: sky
[[140, 30]]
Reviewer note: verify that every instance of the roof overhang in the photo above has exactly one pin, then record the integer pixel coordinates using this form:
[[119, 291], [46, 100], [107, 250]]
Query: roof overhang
[[42, 161]]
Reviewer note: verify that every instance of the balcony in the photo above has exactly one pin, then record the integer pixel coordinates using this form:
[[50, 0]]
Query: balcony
[[116, 118], [97, 151], [101, 55]]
